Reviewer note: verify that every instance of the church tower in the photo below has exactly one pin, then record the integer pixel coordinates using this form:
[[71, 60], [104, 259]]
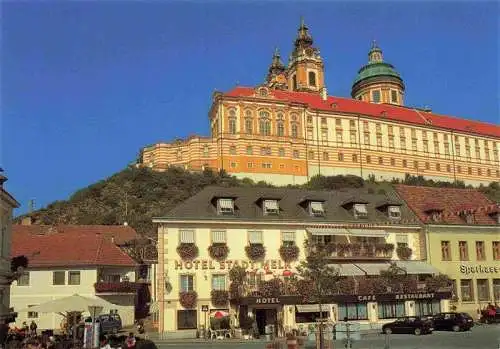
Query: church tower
[[276, 77], [305, 68]]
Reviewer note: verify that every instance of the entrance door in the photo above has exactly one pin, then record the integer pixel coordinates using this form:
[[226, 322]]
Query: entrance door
[[260, 317]]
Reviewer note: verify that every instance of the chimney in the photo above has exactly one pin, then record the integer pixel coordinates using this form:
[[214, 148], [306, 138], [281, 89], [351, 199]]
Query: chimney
[[324, 94], [26, 220]]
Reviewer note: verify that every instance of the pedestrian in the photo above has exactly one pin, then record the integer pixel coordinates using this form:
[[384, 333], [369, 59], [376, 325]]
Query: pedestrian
[[33, 327]]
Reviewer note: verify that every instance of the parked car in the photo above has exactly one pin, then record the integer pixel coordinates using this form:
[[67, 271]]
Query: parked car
[[409, 325], [453, 321], [110, 323]]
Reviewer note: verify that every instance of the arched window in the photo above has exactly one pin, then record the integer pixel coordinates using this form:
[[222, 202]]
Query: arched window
[[280, 126], [294, 82], [295, 131], [312, 78], [232, 121], [248, 122], [264, 123]]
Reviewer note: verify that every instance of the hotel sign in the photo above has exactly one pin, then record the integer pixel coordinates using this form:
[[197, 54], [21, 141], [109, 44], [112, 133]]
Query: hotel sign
[[479, 269], [206, 264]]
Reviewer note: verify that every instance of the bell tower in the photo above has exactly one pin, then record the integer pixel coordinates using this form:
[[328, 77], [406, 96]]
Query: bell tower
[[276, 76], [305, 67]]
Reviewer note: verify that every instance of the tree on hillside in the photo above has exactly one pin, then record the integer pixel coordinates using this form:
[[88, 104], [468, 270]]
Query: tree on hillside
[[319, 277]]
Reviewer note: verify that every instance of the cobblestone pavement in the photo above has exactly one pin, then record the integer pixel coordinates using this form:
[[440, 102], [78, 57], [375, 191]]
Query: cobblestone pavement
[[480, 337]]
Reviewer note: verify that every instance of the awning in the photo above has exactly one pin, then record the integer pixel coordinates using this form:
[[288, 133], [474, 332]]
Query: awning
[[372, 268], [226, 203], [271, 204], [417, 267], [328, 231], [311, 308], [374, 233], [347, 269]]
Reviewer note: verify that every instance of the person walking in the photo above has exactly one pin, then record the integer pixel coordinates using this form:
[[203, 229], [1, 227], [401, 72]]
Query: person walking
[[33, 328]]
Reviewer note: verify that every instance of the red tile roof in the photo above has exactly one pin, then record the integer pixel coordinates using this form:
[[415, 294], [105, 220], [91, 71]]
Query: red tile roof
[[382, 111], [60, 246], [450, 202]]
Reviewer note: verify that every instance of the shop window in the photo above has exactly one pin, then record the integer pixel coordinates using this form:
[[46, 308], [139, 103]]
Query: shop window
[[353, 311], [496, 289], [186, 320], [58, 278], [464, 250], [24, 279], [391, 310], [481, 256], [496, 250], [219, 282], [32, 314], [186, 283], [445, 251], [483, 293], [466, 290], [74, 278], [423, 308]]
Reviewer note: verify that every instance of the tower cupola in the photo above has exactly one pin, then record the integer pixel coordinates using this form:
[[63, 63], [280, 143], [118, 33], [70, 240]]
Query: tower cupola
[[305, 68], [378, 81], [276, 77]]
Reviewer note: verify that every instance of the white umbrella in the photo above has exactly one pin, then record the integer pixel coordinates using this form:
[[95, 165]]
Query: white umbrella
[[68, 304]]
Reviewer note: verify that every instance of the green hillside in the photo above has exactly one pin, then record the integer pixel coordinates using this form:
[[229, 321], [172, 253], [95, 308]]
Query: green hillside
[[135, 195]]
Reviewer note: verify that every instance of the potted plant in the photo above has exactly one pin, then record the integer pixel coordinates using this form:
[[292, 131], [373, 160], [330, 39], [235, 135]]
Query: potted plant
[[188, 299], [404, 252], [289, 253], [187, 251], [255, 252], [218, 252], [219, 298]]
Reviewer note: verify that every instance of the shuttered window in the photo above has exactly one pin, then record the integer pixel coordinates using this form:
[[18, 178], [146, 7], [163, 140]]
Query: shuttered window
[[219, 236], [255, 237], [187, 236]]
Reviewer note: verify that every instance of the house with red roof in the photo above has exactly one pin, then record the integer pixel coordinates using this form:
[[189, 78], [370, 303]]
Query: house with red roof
[[289, 129], [462, 228], [71, 259]]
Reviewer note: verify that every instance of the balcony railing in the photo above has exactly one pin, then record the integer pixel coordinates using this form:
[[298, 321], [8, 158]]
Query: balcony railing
[[125, 287], [356, 250]]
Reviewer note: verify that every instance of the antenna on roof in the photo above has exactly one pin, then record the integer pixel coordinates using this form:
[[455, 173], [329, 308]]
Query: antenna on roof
[[31, 205]]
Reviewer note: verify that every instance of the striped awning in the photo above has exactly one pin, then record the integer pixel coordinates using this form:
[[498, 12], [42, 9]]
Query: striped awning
[[328, 231], [375, 233], [311, 308], [417, 267]]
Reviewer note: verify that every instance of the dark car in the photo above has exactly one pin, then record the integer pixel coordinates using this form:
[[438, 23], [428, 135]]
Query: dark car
[[453, 322], [409, 325], [110, 323]]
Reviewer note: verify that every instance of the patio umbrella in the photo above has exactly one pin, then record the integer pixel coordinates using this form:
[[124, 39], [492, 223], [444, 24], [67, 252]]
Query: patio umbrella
[[68, 304], [220, 314]]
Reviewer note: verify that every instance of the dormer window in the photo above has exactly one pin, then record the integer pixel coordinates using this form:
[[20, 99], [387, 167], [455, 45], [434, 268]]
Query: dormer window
[[225, 206], [270, 207], [316, 208], [360, 211], [394, 212]]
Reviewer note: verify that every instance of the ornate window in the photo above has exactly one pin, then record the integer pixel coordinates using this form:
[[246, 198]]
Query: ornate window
[[232, 121], [280, 126], [264, 123], [445, 251], [312, 78], [480, 252], [464, 250], [248, 122]]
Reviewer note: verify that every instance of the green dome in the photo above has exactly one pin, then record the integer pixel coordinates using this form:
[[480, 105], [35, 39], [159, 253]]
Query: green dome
[[375, 70]]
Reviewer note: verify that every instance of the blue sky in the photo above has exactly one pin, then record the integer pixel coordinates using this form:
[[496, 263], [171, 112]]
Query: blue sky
[[84, 85]]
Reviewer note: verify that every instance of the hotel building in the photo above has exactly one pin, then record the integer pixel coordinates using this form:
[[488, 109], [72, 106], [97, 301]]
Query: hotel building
[[263, 230], [288, 129], [463, 241]]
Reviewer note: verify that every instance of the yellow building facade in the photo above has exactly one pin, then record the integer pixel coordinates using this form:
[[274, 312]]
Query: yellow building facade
[[462, 230], [288, 129], [361, 247]]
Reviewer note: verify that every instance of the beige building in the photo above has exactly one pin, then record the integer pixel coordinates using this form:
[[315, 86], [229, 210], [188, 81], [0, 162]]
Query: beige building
[[288, 129], [463, 241], [68, 260], [263, 231], [7, 205]]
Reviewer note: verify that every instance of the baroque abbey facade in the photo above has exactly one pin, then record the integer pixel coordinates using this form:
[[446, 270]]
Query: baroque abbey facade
[[288, 129]]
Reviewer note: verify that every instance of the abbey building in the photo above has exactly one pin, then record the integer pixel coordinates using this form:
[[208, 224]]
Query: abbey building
[[288, 129]]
